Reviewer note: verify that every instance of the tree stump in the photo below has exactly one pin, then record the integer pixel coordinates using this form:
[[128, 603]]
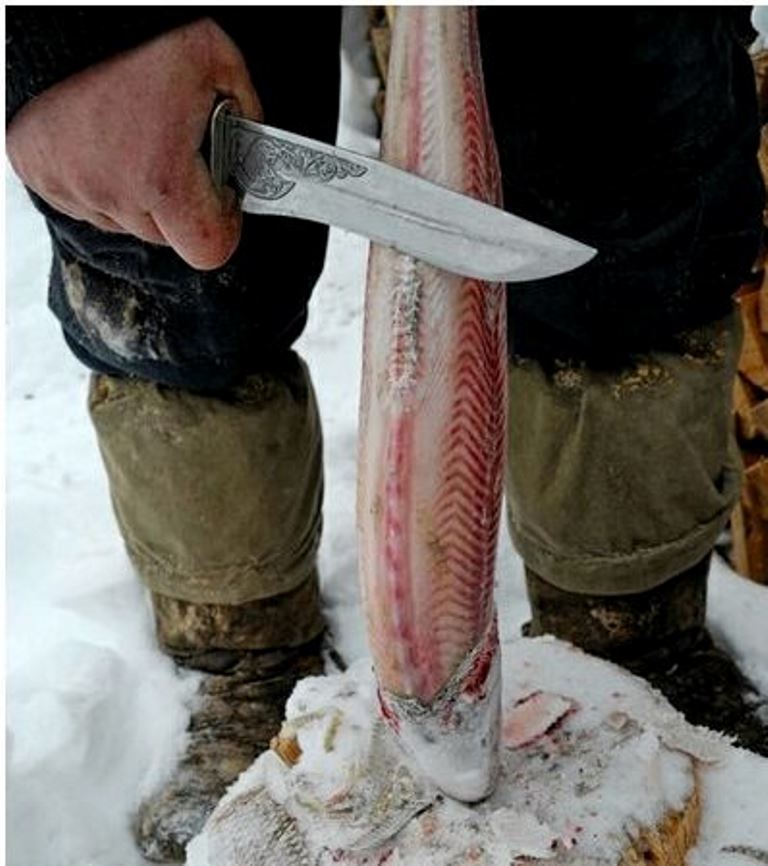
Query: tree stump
[[596, 769]]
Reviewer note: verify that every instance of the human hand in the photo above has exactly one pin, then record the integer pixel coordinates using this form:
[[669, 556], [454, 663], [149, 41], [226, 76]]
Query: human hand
[[118, 144]]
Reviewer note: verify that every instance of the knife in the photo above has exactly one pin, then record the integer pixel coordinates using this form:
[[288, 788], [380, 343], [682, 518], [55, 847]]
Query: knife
[[279, 173]]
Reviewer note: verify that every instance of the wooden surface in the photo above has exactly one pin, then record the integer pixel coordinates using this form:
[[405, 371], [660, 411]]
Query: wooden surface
[[597, 770], [668, 843]]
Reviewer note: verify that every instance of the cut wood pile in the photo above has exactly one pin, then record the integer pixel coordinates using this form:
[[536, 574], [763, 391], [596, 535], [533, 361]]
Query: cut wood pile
[[749, 521], [379, 23]]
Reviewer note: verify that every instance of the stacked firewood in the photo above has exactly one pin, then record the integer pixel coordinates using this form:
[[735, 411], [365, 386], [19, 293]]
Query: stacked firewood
[[749, 521], [379, 30]]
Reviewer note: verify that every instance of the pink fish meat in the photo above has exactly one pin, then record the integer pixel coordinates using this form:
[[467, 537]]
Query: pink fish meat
[[432, 427], [533, 717]]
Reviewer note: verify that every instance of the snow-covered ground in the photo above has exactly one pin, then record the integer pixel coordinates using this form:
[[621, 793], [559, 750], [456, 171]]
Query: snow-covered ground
[[95, 714]]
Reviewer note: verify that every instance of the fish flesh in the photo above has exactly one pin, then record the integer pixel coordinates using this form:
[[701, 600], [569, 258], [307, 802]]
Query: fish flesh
[[432, 419], [534, 717]]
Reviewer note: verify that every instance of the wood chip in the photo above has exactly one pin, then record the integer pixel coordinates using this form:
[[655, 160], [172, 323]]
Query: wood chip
[[287, 748]]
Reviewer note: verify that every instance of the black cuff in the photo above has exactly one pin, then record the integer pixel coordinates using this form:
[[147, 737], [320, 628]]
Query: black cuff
[[45, 44]]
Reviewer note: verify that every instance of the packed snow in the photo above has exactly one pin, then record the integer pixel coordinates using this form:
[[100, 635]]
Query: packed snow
[[95, 714]]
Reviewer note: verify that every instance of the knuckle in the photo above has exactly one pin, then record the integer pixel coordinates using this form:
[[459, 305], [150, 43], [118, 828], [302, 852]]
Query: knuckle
[[207, 35], [208, 27]]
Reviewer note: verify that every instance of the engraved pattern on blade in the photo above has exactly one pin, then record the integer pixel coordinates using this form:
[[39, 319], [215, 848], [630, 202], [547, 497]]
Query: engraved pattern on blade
[[268, 168]]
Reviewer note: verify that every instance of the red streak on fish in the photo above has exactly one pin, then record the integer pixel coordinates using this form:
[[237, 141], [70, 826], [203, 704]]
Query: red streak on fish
[[475, 683], [387, 713]]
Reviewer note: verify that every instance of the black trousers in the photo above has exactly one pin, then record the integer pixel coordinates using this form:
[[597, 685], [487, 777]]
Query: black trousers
[[632, 129]]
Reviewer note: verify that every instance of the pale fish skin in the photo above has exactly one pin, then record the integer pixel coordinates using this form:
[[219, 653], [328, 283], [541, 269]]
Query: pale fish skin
[[432, 424]]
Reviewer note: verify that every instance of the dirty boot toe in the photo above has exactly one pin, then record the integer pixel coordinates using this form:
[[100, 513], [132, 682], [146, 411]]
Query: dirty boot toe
[[238, 712]]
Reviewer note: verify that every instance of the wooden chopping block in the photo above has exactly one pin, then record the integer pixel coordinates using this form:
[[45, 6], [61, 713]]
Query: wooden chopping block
[[597, 769]]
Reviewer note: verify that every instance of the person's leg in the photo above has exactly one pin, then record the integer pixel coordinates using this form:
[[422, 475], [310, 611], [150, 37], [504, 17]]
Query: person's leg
[[623, 476], [621, 468], [616, 509], [210, 434], [219, 502]]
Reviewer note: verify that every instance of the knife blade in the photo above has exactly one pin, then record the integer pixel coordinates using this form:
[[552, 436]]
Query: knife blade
[[279, 173]]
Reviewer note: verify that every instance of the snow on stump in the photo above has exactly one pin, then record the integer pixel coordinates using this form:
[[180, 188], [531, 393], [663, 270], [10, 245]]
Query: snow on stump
[[597, 768]]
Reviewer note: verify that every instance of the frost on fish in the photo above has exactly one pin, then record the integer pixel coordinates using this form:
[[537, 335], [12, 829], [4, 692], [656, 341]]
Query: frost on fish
[[432, 427]]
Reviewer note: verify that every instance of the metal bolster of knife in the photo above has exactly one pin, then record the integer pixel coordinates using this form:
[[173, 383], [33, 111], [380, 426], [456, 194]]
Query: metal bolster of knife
[[223, 145]]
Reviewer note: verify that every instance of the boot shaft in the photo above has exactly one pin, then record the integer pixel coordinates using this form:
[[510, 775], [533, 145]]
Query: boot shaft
[[620, 627]]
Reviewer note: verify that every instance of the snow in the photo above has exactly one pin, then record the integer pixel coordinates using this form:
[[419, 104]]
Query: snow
[[95, 714]]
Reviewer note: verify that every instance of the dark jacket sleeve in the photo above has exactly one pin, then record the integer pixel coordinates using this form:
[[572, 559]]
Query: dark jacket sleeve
[[45, 44]]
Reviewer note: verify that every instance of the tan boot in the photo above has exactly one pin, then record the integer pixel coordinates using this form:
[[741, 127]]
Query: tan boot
[[659, 635], [239, 708]]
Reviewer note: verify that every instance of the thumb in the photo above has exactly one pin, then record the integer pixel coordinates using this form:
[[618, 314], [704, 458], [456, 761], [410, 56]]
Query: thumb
[[201, 225]]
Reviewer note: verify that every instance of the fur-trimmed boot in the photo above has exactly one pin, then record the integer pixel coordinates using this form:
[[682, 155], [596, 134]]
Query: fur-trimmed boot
[[660, 635], [240, 706]]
